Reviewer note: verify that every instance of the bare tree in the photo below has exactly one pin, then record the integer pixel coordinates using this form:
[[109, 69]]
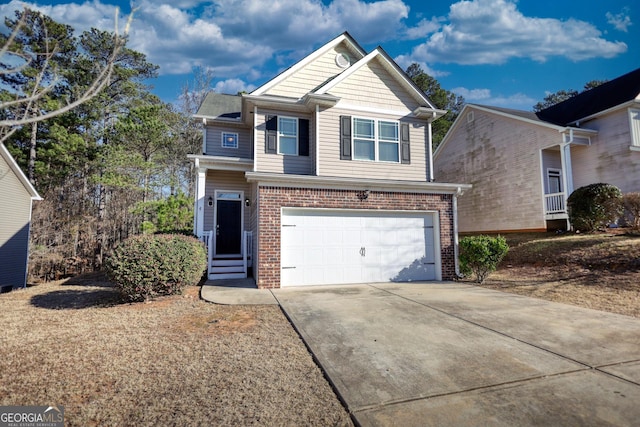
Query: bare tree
[[14, 60]]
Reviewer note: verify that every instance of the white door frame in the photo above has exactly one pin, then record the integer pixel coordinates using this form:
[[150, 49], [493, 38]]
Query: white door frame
[[215, 218]]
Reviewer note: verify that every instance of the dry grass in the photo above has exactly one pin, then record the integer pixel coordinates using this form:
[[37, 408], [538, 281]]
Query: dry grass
[[174, 361], [599, 271]]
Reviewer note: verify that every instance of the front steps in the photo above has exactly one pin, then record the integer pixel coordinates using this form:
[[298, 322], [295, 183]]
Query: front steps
[[227, 268]]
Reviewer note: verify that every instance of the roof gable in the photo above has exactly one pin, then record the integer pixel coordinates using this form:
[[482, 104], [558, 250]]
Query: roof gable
[[519, 115], [590, 102], [393, 71], [8, 158], [344, 43]]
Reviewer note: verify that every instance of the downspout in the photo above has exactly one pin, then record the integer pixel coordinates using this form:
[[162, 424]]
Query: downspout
[[455, 232], [317, 136], [430, 148], [204, 135], [255, 141]]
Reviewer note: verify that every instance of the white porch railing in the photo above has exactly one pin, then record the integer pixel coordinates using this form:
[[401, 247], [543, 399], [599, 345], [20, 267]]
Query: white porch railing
[[247, 250], [207, 238], [554, 203]]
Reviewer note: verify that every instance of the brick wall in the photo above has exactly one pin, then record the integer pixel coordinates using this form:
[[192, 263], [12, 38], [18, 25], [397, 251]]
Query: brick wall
[[272, 199]]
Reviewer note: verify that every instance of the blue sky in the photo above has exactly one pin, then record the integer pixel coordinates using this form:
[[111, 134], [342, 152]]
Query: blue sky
[[496, 52]]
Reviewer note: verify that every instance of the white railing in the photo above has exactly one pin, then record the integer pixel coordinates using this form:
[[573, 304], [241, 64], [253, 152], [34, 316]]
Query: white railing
[[554, 203], [247, 250], [207, 238]]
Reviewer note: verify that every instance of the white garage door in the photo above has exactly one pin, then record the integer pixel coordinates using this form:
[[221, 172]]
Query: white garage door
[[322, 247]]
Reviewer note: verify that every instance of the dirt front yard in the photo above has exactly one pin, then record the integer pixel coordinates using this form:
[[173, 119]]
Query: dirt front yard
[[599, 271], [175, 361]]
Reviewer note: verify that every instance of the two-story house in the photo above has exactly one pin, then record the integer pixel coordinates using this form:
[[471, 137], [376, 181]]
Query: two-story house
[[323, 175], [524, 165]]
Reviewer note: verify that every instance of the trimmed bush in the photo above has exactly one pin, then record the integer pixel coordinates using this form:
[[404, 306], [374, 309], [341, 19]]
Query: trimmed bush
[[148, 266], [481, 255], [631, 203], [594, 206]]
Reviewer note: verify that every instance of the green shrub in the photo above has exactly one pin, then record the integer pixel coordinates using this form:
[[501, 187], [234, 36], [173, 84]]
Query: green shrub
[[481, 255], [147, 266], [631, 203], [594, 206]]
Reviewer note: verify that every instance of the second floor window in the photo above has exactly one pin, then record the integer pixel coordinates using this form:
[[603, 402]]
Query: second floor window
[[376, 140], [288, 135]]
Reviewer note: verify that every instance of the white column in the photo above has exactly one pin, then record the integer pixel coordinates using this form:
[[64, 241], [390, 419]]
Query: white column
[[430, 151], [567, 171], [199, 202]]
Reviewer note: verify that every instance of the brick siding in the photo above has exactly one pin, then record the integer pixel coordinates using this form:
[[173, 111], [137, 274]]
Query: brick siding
[[273, 199]]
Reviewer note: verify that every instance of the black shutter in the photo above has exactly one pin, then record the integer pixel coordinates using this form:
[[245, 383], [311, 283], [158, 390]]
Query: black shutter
[[345, 137], [405, 151], [271, 135], [303, 137]]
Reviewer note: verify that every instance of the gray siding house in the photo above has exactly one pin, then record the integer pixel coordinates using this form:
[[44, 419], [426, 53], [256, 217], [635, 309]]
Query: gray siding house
[[524, 165], [16, 197]]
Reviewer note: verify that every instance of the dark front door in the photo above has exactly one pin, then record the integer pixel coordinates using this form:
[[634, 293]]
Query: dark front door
[[229, 227]]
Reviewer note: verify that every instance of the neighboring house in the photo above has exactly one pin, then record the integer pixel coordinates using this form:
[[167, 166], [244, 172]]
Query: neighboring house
[[16, 196], [523, 165], [323, 176]]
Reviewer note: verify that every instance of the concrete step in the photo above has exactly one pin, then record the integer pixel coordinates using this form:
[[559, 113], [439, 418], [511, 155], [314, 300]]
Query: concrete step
[[220, 276]]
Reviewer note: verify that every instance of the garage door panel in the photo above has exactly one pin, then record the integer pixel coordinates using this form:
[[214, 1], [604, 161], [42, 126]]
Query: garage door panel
[[333, 247]]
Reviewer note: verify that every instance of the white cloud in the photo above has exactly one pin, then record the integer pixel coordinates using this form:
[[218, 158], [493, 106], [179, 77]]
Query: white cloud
[[620, 21], [494, 31], [472, 94], [233, 86], [404, 61], [232, 37], [424, 28], [517, 101]]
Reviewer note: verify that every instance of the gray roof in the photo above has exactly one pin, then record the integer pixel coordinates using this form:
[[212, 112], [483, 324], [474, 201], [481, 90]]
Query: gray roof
[[519, 113], [608, 95], [220, 105]]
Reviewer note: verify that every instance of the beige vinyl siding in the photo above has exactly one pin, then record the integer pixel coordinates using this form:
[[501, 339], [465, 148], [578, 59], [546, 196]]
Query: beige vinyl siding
[[608, 159], [214, 142], [373, 86], [331, 165], [500, 157], [312, 75], [221, 180], [278, 163], [15, 213]]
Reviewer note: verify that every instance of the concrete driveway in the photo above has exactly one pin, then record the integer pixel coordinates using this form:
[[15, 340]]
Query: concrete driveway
[[447, 354]]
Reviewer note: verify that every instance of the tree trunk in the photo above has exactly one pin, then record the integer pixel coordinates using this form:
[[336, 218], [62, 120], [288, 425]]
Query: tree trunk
[[99, 248], [31, 167]]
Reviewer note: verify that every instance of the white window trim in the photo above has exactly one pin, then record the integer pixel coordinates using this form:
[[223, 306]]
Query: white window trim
[[297, 135], [224, 135], [376, 140]]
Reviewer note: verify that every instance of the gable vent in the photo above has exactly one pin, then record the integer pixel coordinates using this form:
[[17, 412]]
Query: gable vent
[[343, 60], [470, 117]]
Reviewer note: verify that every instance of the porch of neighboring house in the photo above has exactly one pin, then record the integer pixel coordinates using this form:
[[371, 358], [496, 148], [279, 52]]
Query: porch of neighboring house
[[557, 179], [556, 189]]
